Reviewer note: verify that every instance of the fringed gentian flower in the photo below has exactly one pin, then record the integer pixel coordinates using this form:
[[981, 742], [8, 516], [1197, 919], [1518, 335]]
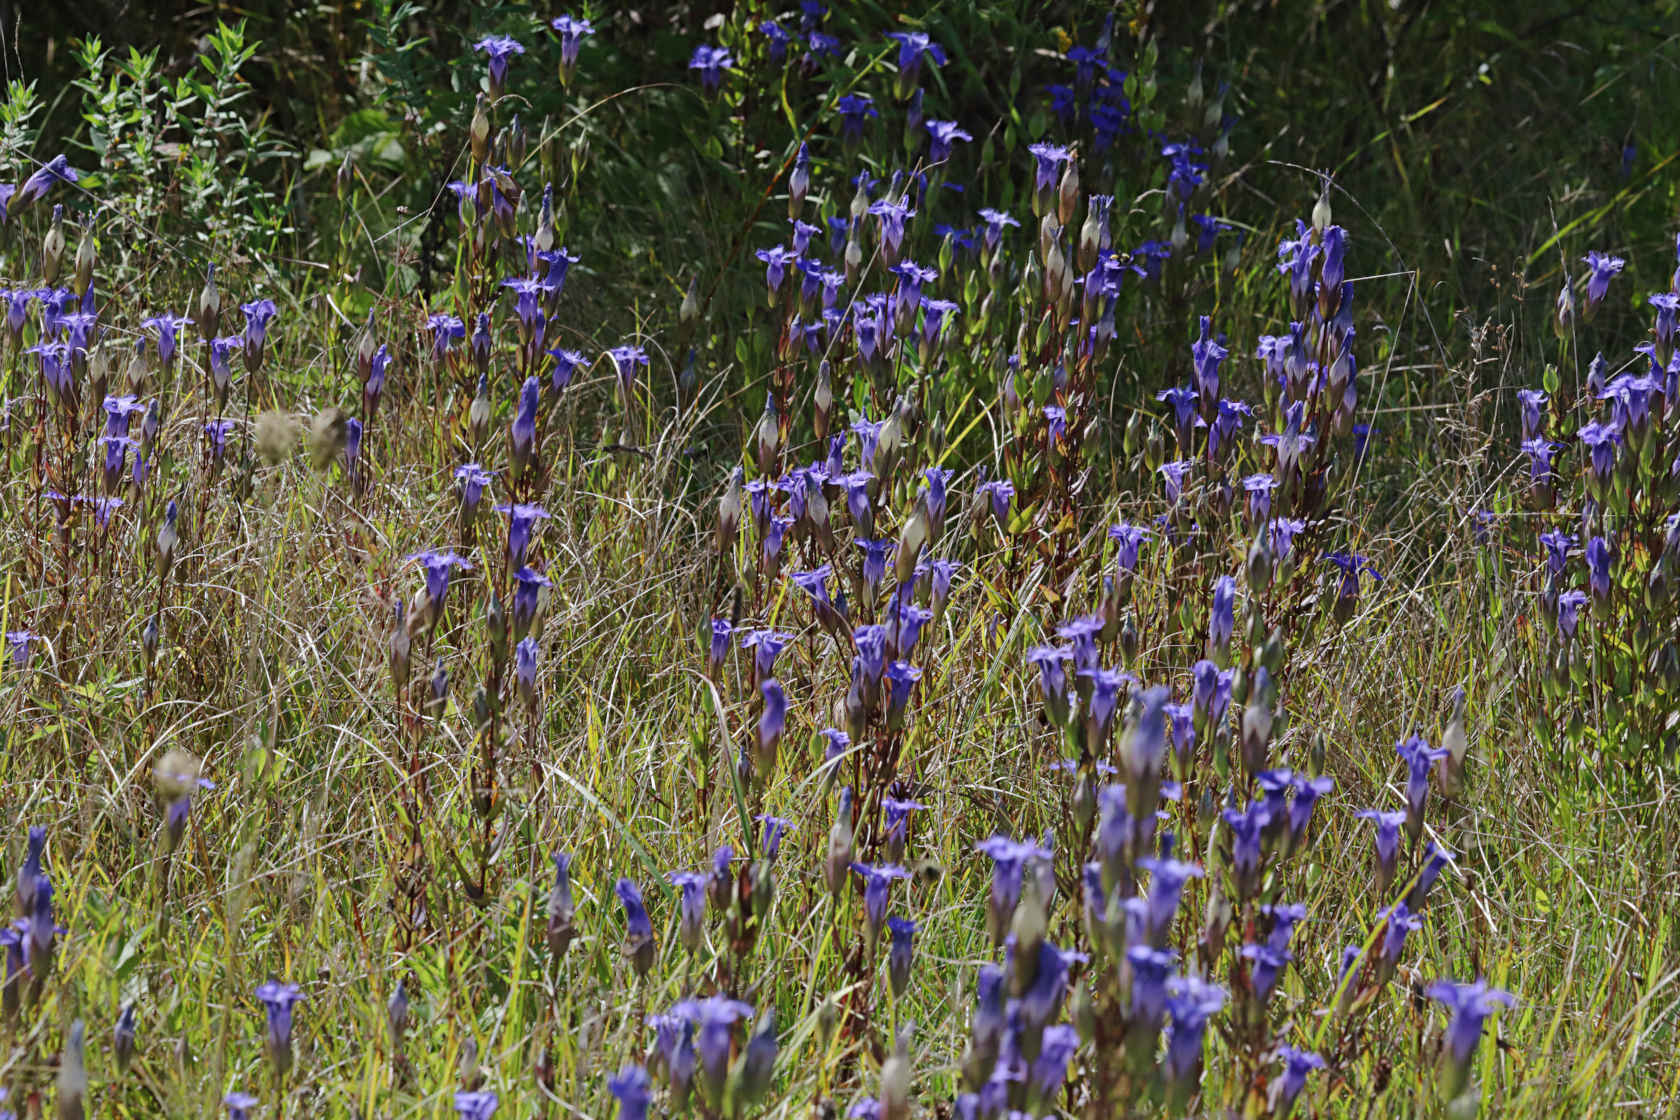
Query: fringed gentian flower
[[1297, 1065], [1469, 1007], [522, 519], [42, 180], [691, 927], [943, 134], [1191, 1003], [913, 47], [633, 1090], [572, 33], [1601, 268], [710, 62], [901, 953], [500, 50], [638, 928], [278, 1000], [476, 1104], [625, 360]]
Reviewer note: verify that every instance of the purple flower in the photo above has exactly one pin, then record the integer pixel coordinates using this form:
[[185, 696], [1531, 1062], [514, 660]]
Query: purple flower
[[1297, 1064], [1227, 422], [913, 46], [1049, 159], [901, 953], [1247, 831], [1540, 452], [1042, 1000], [1128, 538], [779, 39], [221, 353], [476, 1104], [1222, 615], [638, 927], [909, 620], [776, 259], [559, 263], [876, 554], [1191, 1003], [1600, 556], [1009, 862], [566, 365], [1151, 971], [625, 360], [1557, 544], [774, 829], [525, 665], [871, 643], [1266, 963], [522, 518], [528, 585], [1280, 536], [1166, 886], [501, 50], [897, 813], [901, 677], [19, 641], [892, 213], [119, 411], [691, 906], [838, 743], [1049, 1069], [774, 720], [766, 645], [1419, 758], [480, 343], [815, 584], [855, 108], [1173, 475], [1144, 746], [1206, 354], [1185, 172], [1569, 605], [1211, 693], [942, 134], [1055, 423], [1352, 566], [166, 326], [438, 562], [1052, 677], [1533, 402], [1398, 921], [1335, 250], [998, 491], [1668, 311], [1601, 268], [239, 1105], [1388, 835], [634, 1091], [216, 430], [447, 332], [1435, 860], [1469, 1006], [523, 431], [572, 33], [995, 221], [43, 179], [710, 62], [278, 1000]]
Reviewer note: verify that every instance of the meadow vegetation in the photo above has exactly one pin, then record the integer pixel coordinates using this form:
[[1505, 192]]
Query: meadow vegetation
[[1001, 560]]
